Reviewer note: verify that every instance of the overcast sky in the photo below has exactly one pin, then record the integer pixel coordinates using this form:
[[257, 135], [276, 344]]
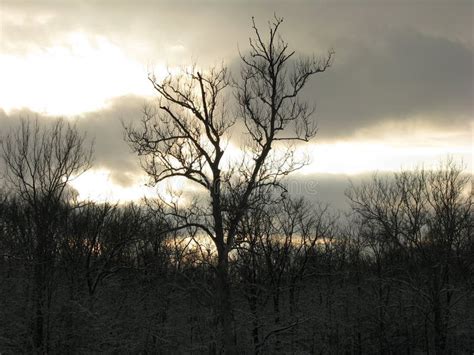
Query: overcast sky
[[400, 92]]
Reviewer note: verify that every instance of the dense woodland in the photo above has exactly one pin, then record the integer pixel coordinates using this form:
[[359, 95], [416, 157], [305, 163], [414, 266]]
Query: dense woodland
[[394, 276], [244, 267]]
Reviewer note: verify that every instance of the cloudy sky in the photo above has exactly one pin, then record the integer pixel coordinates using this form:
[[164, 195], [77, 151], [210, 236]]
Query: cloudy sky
[[400, 92]]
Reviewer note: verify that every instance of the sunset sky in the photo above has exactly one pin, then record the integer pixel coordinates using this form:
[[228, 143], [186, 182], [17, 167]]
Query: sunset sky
[[399, 94]]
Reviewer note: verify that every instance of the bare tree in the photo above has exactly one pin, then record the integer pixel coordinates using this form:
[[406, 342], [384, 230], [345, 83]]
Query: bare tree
[[96, 238], [39, 163], [274, 245], [424, 220], [188, 134]]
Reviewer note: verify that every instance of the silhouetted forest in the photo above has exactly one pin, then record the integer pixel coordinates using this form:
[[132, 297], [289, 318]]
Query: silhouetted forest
[[242, 267], [395, 276]]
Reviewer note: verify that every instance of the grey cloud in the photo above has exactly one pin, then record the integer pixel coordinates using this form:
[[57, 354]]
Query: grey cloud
[[394, 59], [408, 74], [8, 121], [210, 30], [403, 75], [112, 152], [105, 129], [324, 188]]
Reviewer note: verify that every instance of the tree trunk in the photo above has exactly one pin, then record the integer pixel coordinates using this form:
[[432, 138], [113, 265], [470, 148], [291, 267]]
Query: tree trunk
[[39, 300], [224, 304], [38, 323], [276, 311], [439, 329], [440, 334], [255, 320]]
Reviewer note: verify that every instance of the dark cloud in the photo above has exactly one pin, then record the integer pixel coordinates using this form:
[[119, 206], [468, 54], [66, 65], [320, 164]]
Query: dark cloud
[[106, 128], [394, 59], [407, 74], [212, 29], [112, 152], [403, 76]]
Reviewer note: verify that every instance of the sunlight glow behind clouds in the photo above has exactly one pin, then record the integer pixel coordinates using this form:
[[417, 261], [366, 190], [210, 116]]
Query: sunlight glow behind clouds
[[350, 157], [98, 185], [390, 147], [358, 157], [63, 59], [77, 75]]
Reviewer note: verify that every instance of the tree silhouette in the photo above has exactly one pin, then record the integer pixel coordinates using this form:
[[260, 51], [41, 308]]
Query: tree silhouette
[[187, 135], [423, 219], [39, 162]]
